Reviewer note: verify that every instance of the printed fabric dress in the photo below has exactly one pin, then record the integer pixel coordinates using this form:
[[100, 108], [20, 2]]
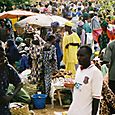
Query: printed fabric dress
[[49, 65], [108, 100], [35, 53]]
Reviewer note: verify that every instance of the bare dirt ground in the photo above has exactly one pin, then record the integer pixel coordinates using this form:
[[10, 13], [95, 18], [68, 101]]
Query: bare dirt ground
[[48, 110]]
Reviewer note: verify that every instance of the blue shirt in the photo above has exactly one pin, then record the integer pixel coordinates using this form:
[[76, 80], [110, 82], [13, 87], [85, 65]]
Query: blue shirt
[[24, 64]]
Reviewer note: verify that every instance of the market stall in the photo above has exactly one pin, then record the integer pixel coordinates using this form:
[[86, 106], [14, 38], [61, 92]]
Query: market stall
[[61, 80]]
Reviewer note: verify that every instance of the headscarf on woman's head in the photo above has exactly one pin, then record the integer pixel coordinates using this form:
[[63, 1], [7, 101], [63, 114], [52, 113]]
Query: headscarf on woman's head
[[69, 24], [104, 24], [85, 16], [10, 42], [55, 24], [19, 39]]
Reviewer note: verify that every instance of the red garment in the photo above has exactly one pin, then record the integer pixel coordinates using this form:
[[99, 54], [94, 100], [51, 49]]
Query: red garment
[[45, 10], [97, 32]]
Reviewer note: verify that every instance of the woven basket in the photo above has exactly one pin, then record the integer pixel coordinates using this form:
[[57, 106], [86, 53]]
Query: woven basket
[[24, 110]]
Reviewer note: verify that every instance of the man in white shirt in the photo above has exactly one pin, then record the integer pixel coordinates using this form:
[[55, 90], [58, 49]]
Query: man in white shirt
[[88, 85]]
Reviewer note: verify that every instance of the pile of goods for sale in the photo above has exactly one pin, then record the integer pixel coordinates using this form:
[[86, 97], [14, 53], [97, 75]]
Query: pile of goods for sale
[[30, 88], [63, 78], [62, 73], [19, 109]]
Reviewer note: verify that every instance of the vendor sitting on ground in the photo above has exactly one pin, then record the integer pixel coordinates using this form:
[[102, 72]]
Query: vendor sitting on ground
[[7, 75]]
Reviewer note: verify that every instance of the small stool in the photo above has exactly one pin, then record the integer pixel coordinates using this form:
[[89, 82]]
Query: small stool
[[57, 89]]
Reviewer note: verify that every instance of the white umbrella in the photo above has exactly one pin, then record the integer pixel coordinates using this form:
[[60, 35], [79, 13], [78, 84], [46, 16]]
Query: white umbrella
[[59, 19], [41, 20]]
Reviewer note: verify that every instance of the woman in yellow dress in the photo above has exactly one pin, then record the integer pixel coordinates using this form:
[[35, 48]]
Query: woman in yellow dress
[[71, 42]]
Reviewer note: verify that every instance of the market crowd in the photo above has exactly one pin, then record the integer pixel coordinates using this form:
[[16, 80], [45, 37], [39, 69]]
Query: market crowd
[[75, 48]]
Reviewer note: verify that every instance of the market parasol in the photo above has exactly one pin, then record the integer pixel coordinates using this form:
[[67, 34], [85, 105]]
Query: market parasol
[[41, 20], [16, 14]]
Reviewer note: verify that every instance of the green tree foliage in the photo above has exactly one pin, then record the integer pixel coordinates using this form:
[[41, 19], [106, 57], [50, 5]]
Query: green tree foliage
[[13, 2], [7, 4]]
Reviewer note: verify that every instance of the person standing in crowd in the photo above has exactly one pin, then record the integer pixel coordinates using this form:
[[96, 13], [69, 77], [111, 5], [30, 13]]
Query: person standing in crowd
[[12, 52], [20, 43], [95, 24], [7, 75], [6, 31], [67, 12], [81, 32], [90, 7], [50, 7], [58, 37], [27, 41], [79, 12], [71, 42], [35, 54], [46, 10], [103, 39], [86, 21], [3, 32], [109, 57], [107, 101], [9, 29], [88, 85], [49, 62], [24, 61]]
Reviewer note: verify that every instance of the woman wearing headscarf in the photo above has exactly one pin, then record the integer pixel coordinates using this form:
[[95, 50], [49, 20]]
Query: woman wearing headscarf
[[12, 52], [71, 42], [58, 37], [36, 47], [49, 62], [103, 39], [81, 32]]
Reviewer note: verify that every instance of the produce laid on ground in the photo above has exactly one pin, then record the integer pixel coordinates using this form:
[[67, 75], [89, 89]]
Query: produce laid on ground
[[19, 109], [30, 88]]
